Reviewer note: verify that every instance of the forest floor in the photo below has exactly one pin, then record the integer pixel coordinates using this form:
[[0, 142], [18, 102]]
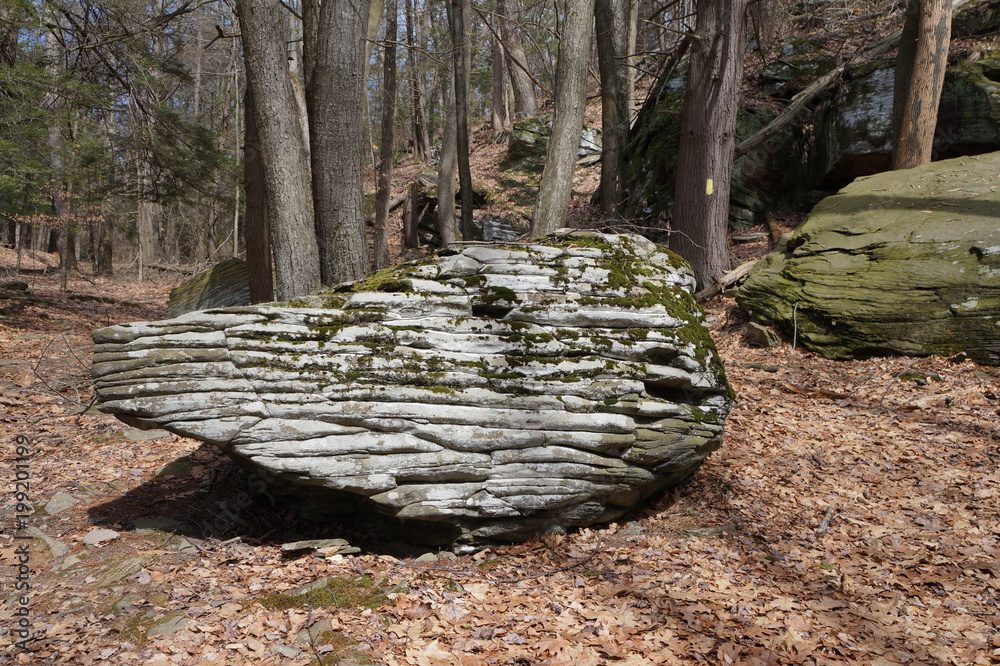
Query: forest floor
[[851, 517]]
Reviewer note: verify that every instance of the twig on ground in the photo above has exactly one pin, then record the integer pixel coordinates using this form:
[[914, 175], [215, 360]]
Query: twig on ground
[[825, 523]]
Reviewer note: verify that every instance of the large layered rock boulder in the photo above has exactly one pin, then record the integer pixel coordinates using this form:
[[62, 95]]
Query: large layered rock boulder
[[484, 394], [904, 262]]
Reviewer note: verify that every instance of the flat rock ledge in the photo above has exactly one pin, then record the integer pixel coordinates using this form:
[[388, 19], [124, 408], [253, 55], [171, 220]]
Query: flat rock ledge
[[476, 396]]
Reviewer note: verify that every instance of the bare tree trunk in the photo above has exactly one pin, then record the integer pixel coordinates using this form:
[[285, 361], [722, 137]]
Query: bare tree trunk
[[920, 67], [462, 46], [525, 104], [336, 95], [567, 121], [700, 217], [257, 234], [411, 218], [386, 149], [631, 43], [498, 110], [446, 170], [421, 138], [286, 172], [104, 264], [611, 52]]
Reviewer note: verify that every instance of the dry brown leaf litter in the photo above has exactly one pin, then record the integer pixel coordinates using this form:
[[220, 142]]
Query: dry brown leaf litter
[[851, 517]]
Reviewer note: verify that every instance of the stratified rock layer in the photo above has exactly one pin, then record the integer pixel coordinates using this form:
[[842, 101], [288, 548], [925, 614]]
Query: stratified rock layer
[[904, 262], [487, 394], [226, 283]]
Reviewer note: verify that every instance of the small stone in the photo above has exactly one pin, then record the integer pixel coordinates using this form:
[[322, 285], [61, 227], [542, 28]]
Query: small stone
[[314, 544], [632, 530], [336, 550], [55, 548], [156, 524], [168, 628], [95, 537], [68, 563], [144, 435], [761, 336], [126, 601], [313, 633], [427, 557], [181, 545], [59, 502], [286, 651]]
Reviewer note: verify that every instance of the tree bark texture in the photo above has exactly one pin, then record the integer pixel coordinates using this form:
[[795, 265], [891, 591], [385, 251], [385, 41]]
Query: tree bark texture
[[525, 103], [336, 96], [612, 40], [415, 59], [920, 67], [286, 170], [386, 147], [461, 39], [567, 118], [498, 108], [256, 232], [447, 166], [700, 217]]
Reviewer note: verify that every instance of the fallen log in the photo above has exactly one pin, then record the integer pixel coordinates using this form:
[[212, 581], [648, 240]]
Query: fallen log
[[726, 281]]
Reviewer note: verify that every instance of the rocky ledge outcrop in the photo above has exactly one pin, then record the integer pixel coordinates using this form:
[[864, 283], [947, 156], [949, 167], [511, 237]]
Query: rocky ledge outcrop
[[486, 394], [903, 262]]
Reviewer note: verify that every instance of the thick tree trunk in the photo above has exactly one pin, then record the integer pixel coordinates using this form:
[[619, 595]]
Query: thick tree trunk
[[700, 217], [386, 148], [256, 233], [567, 121], [286, 171], [525, 104], [336, 93], [920, 67], [459, 10], [612, 39], [447, 167]]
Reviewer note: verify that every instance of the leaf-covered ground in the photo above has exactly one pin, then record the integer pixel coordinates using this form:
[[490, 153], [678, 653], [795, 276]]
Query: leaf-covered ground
[[850, 518]]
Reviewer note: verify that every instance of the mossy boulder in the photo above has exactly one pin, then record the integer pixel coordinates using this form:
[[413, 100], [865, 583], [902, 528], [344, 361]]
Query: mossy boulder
[[529, 141], [226, 283], [903, 262], [480, 395]]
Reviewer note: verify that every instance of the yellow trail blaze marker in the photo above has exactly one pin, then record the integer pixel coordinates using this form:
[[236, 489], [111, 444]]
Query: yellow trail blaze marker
[[709, 187]]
